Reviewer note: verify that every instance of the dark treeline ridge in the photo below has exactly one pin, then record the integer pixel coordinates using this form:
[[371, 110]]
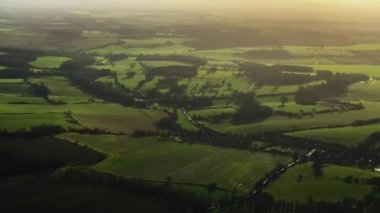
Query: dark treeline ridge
[[249, 109], [18, 58], [172, 71], [335, 85], [23, 155], [84, 78], [196, 61], [14, 73], [275, 75], [190, 202], [265, 203]]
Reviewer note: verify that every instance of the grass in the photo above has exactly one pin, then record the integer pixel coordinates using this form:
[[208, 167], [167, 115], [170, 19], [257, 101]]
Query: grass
[[329, 187], [184, 123], [49, 62], [111, 117], [364, 91], [347, 136], [122, 68], [155, 158], [16, 121], [11, 99], [14, 88], [61, 89], [11, 81]]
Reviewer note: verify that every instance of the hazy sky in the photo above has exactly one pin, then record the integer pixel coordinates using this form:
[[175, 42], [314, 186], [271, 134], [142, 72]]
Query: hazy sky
[[190, 3], [348, 8]]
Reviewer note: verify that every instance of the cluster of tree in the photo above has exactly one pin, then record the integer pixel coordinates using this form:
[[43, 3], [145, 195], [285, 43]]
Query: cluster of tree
[[274, 75], [192, 102], [20, 155], [17, 58], [172, 71], [194, 202], [196, 61], [265, 203], [366, 122], [267, 54], [66, 33], [249, 110], [214, 118], [85, 78], [367, 153], [341, 107], [335, 85], [39, 90], [167, 83], [112, 57], [35, 131], [317, 164], [15, 73], [169, 123]]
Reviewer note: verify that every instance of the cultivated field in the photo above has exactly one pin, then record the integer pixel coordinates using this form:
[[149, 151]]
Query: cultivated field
[[157, 159]]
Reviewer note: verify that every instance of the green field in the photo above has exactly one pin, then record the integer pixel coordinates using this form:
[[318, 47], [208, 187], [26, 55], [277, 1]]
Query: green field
[[184, 122], [155, 158], [280, 123], [62, 90], [121, 68], [347, 136], [368, 91], [329, 187], [110, 117], [17, 121], [49, 62], [11, 81]]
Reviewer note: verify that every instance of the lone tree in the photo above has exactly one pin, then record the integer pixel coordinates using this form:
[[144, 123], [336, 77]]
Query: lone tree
[[318, 165], [40, 90], [212, 187], [284, 100]]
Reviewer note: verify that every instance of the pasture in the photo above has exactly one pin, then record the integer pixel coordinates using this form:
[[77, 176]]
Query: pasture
[[367, 91], [280, 123], [184, 122], [329, 187], [156, 159], [62, 90], [110, 117], [49, 62], [347, 136], [13, 122]]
